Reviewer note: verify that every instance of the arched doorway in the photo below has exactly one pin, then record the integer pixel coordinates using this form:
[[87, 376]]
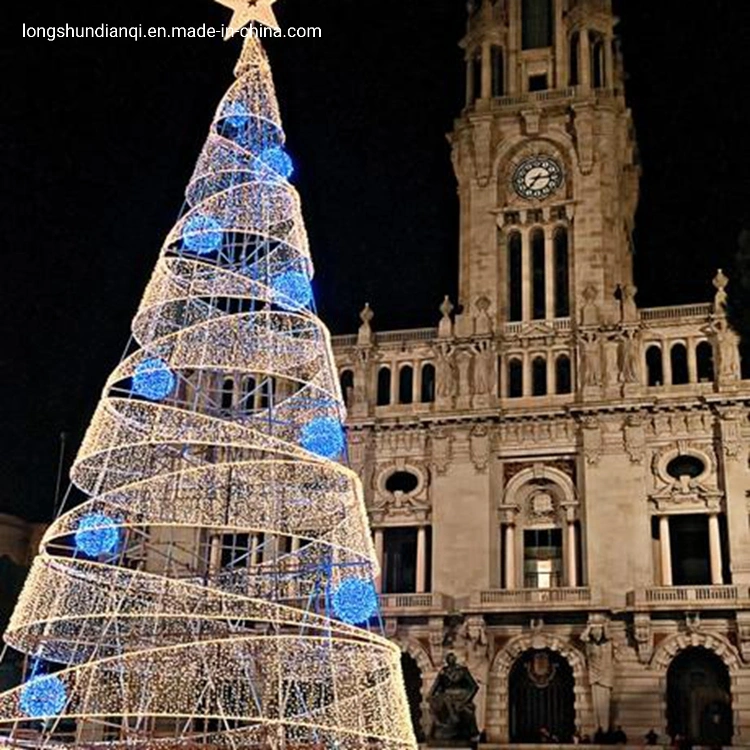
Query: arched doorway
[[541, 696], [413, 683], [699, 702]]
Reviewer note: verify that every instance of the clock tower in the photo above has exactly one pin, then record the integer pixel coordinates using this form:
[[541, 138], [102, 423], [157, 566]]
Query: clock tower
[[546, 162]]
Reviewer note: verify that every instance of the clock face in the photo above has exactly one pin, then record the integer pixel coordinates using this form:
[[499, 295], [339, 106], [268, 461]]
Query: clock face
[[537, 177]]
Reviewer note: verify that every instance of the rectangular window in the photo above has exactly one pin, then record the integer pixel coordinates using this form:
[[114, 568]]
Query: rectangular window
[[538, 83], [537, 23], [400, 560], [690, 556], [542, 558]]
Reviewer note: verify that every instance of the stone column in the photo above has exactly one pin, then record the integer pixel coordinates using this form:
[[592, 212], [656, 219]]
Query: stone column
[[525, 275], [666, 362], [692, 361], [395, 381], [421, 559], [379, 555], [214, 559], [714, 544], [527, 372], [510, 557], [469, 80], [609, 73], [572, 556], [486, 71], [585, 61], [416, 395], [666, 551]]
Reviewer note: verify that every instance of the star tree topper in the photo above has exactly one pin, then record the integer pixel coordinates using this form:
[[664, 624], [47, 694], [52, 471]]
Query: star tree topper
[[249, 10]]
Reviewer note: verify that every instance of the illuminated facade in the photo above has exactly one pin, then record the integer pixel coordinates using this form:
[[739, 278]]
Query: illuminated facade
[[557, 479]]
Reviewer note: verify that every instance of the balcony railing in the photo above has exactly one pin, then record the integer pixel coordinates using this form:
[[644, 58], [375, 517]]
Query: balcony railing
[[530, 598], [404, 603], [676, 312], [669, 596]]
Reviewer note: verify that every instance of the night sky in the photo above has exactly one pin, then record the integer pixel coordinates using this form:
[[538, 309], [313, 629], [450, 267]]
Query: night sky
[[99, 137]]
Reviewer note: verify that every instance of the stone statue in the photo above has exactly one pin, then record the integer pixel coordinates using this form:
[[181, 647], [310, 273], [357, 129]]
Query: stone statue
[[484, 366], [452, 704], [482, 321], [446, 374], [445, 326], [720, 283], [364, 335], [600, 659], [590, 314], [591, 361], [629, 357], [629, 308], [728, 352], [473, 633]]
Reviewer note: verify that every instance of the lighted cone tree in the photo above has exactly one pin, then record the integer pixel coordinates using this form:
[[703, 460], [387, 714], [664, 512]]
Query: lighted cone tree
[[216, 587]]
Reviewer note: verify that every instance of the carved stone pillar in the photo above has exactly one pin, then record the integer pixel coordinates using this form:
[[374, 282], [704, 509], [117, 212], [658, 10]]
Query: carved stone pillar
[[714, 544], [421, 559], [379, 554], [665, 547], [510, 556], [572, 554]]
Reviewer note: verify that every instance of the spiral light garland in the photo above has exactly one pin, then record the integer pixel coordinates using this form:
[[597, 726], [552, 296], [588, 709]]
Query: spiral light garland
[[216, 586]]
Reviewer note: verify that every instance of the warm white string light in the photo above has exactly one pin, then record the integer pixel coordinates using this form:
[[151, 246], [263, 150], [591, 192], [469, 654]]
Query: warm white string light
[[210, 589]]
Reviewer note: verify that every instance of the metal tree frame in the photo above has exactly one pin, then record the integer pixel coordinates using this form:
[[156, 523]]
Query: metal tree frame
[[191, 599]]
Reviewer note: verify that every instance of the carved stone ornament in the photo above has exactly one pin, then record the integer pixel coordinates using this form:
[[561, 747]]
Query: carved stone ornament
[[592, 440], [445, 326], [643, 635], [412, 507], [731, 432], [635, 438], [364, 336], [441, 450], [479, 447], [743, 634]]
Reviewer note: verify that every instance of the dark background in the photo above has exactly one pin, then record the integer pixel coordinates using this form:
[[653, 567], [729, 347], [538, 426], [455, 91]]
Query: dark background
[[98, 139]]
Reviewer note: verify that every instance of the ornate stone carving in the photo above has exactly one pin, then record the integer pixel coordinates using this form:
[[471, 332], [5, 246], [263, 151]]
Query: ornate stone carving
[[479, 447], [743, 634], [413, 506], [592, 440], [464, 358], [629, 307], [475, 645], [629, 357], [726, 348], [364, 335], [441, 450], [643, 635], [445, 326], [635, 438], [731, 432]]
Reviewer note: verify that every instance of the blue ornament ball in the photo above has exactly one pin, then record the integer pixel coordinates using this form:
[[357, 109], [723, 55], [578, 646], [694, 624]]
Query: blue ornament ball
[[153, 379], [278, 160], [235, 115], [355, 601], [97, 534], [43, 696], [324, 436], [292, 287], [202, 234]]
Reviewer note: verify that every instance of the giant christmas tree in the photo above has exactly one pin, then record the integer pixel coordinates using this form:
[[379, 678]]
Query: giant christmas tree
[[215, 588]]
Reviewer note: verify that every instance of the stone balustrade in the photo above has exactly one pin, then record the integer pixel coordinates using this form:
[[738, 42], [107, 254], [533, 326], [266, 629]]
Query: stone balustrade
[[432, 603], [699, 597], [515, 599]]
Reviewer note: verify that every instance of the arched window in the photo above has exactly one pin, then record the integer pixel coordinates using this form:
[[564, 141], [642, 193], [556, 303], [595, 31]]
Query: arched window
[[573, 56], [562, 295], [347, 385], [227, 393], [539, 376], [598, 79], [678, 360], [428, 383], [515, 298], [539, 301], [384, 386], [406, 385], [704, 355], [515, 378], [654, 366], [498, 72], [563, 375]]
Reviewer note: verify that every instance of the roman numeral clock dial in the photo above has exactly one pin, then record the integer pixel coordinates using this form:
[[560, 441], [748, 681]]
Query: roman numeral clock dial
[[537, 177]]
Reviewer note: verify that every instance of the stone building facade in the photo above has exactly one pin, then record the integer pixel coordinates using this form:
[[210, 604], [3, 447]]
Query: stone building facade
[[558, 479]]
